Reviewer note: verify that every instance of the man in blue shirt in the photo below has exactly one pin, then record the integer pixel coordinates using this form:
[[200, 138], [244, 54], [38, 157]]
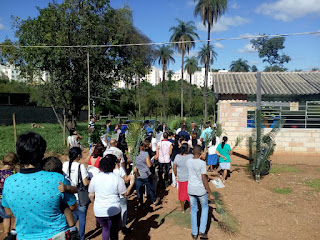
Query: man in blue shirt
[[206, 132], [32, 195], [184, 133]]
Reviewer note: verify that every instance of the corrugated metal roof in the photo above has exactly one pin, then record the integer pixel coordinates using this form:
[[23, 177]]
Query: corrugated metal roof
[[273, 83]]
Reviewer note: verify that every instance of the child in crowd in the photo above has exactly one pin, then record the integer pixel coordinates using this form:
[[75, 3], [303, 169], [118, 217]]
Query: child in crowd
[[53, 164], [212, 156], [9, 162]]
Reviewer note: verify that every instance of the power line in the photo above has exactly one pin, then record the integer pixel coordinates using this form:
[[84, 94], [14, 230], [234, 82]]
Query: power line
[[161, 43]]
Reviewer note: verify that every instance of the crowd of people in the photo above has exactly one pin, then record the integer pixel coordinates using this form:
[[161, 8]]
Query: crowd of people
[[46, 198]]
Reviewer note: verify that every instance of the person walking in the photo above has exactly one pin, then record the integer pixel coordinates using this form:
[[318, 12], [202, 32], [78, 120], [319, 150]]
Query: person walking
[[73, 169], [106, 197], [212, 156], [198, 188], [224, 150], [32, 195], [164, 150], [143, 164], [181, 172]]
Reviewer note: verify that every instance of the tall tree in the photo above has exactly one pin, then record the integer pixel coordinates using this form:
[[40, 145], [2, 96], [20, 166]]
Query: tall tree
[[191, 65], [170, 74], [164, 55], [75, 22], [185, 31], [239, 66], [268, 48], [203, 55], [254, 68], [210, 11]]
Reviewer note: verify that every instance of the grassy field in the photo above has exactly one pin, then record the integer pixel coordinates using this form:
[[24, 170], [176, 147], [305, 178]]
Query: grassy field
[[52, 133]]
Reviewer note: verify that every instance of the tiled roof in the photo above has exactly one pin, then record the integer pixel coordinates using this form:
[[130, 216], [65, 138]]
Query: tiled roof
[[273, 83]]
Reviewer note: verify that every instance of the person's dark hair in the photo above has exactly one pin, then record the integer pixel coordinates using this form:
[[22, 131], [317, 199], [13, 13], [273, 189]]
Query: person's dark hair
[[184, 128], [184, 148], [165, 135], [159, 129], [208, 124], [196, 150], [108, 163], [108, 121], [98, 150], [72, 130], [182, 138], [224, 140], [74, 152], [52, 164], [31, 148], [148, 139], [145, 145], [214, 141], [170, 134]]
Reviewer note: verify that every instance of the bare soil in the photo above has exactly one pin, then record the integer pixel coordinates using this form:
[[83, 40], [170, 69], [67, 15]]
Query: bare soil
[[260, 211]]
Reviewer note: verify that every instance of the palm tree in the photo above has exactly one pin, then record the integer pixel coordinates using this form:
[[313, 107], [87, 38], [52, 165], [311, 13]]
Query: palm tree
[[164, 57], [170, 74], [203, 54], [209, 11], [191, 66], [239, 66], [185, 31]]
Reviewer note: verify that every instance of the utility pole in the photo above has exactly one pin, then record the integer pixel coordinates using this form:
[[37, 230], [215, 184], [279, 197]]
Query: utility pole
[[88, 66], [258, 128]]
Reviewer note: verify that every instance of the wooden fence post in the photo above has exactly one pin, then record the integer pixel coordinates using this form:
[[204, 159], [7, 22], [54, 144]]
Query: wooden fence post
[[14, 128]]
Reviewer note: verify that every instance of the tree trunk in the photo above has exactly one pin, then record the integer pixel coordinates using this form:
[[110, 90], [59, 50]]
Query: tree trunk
[[205, 90], [182, 84], [164, 92], [190, 95]]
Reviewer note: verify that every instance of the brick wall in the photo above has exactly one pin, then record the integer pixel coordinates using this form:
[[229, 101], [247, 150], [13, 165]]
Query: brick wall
[[234, 120]]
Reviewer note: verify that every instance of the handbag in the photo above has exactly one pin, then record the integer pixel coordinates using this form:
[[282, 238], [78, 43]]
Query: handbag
[[83, 193]]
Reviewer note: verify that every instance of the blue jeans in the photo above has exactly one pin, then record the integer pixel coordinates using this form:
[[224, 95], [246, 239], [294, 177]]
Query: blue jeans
[[81, 214], [204, 213], [148, 183], [123, 205]]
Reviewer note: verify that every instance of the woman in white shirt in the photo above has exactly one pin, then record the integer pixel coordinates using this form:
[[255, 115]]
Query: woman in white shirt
[[72, 170], [104, 190]]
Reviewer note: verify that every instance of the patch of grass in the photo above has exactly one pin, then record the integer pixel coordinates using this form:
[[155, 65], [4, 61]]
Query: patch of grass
[[314, 183], [52, 133], [283, 169], [179, 218], [227, 222], [286, 190]]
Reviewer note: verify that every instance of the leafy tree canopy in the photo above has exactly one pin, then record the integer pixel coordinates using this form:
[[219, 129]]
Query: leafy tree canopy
[[239, 66], [268, 49], [74, 22]]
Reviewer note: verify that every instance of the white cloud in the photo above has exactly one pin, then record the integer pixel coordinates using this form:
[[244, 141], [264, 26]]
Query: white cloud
[[224, 23], [287, 10], [254, 62], [218, 45], [191, 54], [1, 25], [247, 49], [248, 35], [191, 3], [234, 5]]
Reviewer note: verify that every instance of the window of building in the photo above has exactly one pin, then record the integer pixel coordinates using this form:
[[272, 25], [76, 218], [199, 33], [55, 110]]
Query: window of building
[[297, 115]]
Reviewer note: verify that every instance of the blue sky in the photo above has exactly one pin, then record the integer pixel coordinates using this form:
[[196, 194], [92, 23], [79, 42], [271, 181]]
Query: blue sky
[[244, 18]]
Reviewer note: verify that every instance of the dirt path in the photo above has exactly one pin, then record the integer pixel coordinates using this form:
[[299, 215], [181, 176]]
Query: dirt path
[[260, 211]]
